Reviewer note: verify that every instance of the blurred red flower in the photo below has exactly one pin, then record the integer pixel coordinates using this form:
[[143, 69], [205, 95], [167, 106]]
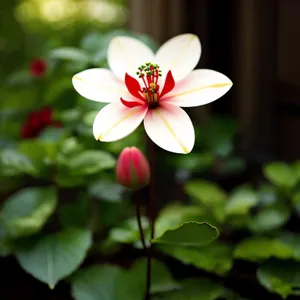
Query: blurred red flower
[[38, 67], [37, 121]]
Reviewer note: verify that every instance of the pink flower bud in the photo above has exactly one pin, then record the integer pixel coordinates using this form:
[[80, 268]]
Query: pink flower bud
[[133, 170]]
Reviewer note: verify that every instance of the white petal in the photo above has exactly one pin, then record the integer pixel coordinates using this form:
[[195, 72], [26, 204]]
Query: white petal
[[180, 55], [170, 128], [116, 121], [199, 88], [126, 54], [99, 85]]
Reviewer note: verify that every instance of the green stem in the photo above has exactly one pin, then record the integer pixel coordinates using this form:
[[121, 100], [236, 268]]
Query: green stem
[[138, 216], [151, 212]]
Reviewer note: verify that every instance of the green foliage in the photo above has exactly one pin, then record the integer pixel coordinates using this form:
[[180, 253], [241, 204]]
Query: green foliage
[[106, 190], [270, 218], [262, 248], [240, 201], [197, 288], [58, 188], [205, 192], [189, 234], [111, 282], [54, 257], [281, 277], [14, 163], [25, 212], [215, 258], [89, 162], [281, 174]]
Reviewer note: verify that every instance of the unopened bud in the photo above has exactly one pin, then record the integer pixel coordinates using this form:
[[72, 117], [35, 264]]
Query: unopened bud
[[133, 170]]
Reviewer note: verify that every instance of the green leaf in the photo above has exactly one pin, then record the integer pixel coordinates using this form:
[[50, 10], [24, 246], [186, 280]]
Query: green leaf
[[281, 277], [14, 163], [42, 153], [70, 146], [293, 241], [90, 116], [267, 195], [6, 247], [70, 54], [215, 257], [106, 190], [56, 89], [189, 234], [280, 174], [240, 201], [25, 212], [296, 202], [270, 218], [52, 134], [262, 248], [174, 214], [205, 192], [128, 232], [65, 179], [195, 289], [106, 282], [90, 162], [161, 278], [296, 168], [56, 256]]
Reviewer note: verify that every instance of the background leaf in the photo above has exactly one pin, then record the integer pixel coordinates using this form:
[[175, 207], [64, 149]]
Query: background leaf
[[281, 277], [241, 200], [262, 248], [25, 212], [280, 174], [195, 289], [205, 192], [189, 234], [90, 162], [215, 257], [56, 256]]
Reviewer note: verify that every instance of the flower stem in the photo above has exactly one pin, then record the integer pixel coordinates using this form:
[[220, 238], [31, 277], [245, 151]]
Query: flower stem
[[138, 216], [151, 212]]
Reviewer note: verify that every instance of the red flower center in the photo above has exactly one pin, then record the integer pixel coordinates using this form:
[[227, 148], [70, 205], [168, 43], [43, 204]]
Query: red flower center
[[150, 92]]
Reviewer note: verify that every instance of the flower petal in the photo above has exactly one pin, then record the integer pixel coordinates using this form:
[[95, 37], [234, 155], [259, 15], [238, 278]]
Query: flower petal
[[133, 87], [169, 84], [99, 85], [170, 128], [131, 103], [126, 54], [179, 54], [116, 121], [199, 88]]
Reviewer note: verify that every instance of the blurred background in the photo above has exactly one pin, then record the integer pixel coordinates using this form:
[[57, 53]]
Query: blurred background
[[255, 43]]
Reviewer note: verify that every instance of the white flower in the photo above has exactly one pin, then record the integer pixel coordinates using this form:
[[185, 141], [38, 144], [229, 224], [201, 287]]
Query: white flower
[[152, 87]]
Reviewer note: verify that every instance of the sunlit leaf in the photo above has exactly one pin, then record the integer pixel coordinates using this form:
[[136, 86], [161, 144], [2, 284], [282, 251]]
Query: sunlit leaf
[[262, 248]]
